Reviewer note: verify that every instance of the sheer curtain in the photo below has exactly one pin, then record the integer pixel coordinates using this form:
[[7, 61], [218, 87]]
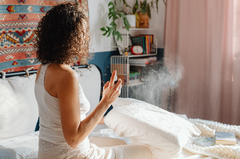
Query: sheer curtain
[[203, 37]]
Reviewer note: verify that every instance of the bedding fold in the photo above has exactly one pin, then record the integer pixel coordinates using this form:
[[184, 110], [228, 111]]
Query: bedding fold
[[164, 133]]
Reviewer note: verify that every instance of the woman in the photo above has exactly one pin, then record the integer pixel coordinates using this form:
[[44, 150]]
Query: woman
[[63, 36]]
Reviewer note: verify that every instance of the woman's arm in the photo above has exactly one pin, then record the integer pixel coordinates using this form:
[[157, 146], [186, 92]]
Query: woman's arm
[[101, 121], [75, 130]]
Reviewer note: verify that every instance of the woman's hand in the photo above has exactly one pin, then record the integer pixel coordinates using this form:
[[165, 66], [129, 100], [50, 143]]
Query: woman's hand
[[111, 91]]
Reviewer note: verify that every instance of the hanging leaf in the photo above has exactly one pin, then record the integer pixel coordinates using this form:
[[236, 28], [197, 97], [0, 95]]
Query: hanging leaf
[[135, 8], [126, 23], [105, 34], [128, 6], [151, 4], [109, 33], [103, 29], [144, 5], [148, 11], [157, 4], [111, 4], [114, 33], [119, 14], [119, 36], [113, 24]]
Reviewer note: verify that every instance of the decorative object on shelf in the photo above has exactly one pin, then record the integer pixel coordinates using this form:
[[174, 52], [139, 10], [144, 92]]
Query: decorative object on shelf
[[143, 20], [143, 12], [136, 50], [132, 20], [146, 41]]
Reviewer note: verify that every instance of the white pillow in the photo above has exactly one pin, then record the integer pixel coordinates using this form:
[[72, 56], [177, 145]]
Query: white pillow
[[18, 106], [25, 146], [163, 132]]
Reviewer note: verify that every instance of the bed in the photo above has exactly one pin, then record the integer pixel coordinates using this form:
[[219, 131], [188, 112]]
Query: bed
[[19, 115]]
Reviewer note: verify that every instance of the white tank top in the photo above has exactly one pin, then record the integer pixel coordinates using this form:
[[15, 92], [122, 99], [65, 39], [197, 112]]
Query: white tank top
[[50, 132]]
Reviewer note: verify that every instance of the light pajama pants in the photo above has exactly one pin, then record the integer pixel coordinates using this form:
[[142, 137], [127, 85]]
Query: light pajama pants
[[113, 152]]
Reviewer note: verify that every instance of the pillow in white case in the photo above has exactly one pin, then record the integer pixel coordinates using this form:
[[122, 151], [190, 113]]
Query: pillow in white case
[[163, 132], [18, 106], [25, 146]]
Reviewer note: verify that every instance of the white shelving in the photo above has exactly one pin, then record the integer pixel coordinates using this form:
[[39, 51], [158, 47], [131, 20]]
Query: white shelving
[[122, 65]]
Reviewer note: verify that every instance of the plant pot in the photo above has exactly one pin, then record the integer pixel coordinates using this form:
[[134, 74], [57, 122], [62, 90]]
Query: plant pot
[[142, 20], [132, 20]]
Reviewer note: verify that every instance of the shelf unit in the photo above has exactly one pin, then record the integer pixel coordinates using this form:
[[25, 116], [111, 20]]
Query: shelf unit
[[120, 62], [122, 65]]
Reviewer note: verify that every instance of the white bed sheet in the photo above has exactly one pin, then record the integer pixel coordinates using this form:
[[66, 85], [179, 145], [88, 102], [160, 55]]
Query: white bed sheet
[[26, 146]]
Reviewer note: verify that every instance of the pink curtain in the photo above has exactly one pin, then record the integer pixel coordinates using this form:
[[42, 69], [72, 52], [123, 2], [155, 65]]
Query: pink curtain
[[203, 37]]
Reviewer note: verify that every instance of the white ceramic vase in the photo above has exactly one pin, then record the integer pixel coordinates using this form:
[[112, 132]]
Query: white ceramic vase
[[132, 20]]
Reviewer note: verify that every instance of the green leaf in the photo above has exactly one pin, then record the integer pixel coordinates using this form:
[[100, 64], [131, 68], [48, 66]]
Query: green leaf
[[105, 33], [111, 10], [157, 4], [110, 15], [113, 23], [119, 36], [114, 33], [126, 23], [149, 11], [143, 11], [111, 4], [119, 14], [109, 33], [144, 5], [103, 29], [128, 6], [135, 7], [108, 28]]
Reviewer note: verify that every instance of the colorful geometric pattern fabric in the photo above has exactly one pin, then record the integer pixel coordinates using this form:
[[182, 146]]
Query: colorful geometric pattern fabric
[[18, 23]]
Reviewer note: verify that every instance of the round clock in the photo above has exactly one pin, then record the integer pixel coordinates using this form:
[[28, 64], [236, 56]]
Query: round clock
[[136, 50]]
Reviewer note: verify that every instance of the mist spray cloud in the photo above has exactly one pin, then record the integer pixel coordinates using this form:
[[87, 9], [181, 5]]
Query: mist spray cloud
[[157, 78]]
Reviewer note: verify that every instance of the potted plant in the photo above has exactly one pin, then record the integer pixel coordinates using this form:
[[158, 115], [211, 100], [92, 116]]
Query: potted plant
[[115, 14], [142, 9]]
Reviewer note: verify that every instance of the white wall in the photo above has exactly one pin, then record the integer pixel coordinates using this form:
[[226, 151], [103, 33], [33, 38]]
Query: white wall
[[98, 11]]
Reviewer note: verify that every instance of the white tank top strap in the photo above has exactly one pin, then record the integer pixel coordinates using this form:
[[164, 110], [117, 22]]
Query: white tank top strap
[[41, 76]]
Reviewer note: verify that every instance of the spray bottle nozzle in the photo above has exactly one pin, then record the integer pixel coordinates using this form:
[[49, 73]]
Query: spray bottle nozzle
[[115, 79]]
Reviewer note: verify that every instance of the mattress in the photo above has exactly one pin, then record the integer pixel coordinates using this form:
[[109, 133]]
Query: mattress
[[26, 146]]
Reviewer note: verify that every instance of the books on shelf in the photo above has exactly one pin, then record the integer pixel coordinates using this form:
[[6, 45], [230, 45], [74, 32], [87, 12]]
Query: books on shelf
[[149, 42], [142, 61], [225, 138], [146, 41], [138, 40]]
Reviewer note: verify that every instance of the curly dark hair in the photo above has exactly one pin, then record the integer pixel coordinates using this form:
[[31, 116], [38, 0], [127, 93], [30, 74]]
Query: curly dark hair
[[63, 35]]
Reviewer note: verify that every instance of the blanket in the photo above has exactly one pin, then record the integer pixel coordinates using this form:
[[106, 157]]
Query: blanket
[[208, 129]]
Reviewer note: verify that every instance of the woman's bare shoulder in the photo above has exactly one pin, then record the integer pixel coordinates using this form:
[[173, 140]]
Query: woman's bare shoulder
[[64, 74]]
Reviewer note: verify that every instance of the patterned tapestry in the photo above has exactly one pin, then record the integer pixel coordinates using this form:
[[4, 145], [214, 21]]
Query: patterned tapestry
[[18, 23]]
